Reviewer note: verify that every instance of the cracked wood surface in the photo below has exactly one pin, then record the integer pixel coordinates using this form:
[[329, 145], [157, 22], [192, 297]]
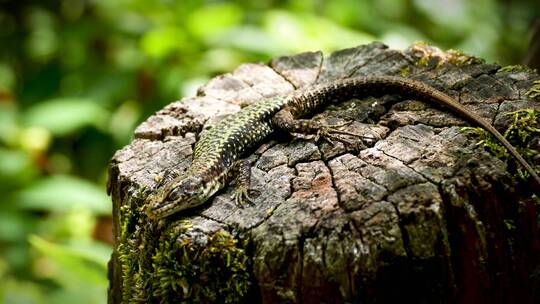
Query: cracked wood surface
[[421, 213]]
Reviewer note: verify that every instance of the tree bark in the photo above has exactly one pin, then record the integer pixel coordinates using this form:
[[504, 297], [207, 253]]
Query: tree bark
[[420, 214]]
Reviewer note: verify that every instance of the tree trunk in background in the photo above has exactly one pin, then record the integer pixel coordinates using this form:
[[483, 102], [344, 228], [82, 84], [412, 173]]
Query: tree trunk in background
[[422, 214]]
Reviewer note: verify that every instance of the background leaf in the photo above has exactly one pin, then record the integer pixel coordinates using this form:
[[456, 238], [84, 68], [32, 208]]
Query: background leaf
[[63, 116], [80, 269], [63, 193], [16, 168]]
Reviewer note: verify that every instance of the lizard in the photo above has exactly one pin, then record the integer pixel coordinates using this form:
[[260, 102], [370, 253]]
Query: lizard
[[218, 151]]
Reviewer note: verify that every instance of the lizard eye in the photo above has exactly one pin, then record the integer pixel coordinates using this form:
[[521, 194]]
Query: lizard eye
[[173, 195]]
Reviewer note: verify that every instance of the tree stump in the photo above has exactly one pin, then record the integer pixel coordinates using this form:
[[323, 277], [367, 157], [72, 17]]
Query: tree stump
[[422, 213]]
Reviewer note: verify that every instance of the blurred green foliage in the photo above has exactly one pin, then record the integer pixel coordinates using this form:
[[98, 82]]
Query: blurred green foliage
[[77, 76]]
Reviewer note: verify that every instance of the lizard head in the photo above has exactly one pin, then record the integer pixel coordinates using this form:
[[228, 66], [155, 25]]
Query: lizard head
[[180, 193]]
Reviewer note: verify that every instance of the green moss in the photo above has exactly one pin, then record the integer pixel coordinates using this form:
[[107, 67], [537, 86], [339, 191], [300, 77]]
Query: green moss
[[208, 271], [168, 262], [510, 225], [516, 68], [128, 250], [422, 43], [134, 251], [433, 54], [534, 91], [523, 127], [458, 57], [424, 60], [405, 72]]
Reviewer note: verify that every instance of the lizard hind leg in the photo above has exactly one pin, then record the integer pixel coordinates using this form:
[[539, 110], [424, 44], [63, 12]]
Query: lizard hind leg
[[331, 133]]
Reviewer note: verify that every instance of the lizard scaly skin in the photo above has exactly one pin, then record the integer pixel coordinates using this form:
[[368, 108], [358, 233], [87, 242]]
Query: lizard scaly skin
[[221, 147]]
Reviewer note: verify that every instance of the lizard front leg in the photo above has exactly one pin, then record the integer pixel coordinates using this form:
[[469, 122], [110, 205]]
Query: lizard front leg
[[242, 170]]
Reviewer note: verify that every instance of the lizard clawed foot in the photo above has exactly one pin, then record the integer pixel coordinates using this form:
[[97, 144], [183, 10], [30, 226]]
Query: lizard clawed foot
[[241, 195], [330, 133]]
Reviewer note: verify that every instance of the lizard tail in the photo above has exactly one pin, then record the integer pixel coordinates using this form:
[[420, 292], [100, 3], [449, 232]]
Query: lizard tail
[[416, 88]]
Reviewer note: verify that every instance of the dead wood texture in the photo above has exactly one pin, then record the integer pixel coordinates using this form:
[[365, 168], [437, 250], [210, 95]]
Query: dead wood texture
[[421, 214]]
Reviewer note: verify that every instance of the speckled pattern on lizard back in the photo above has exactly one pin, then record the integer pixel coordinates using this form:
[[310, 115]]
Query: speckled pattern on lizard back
[[221, 147]]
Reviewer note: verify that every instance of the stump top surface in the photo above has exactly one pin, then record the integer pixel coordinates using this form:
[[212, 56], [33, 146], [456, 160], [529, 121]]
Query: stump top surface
[[419, 147], [357, 205]]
